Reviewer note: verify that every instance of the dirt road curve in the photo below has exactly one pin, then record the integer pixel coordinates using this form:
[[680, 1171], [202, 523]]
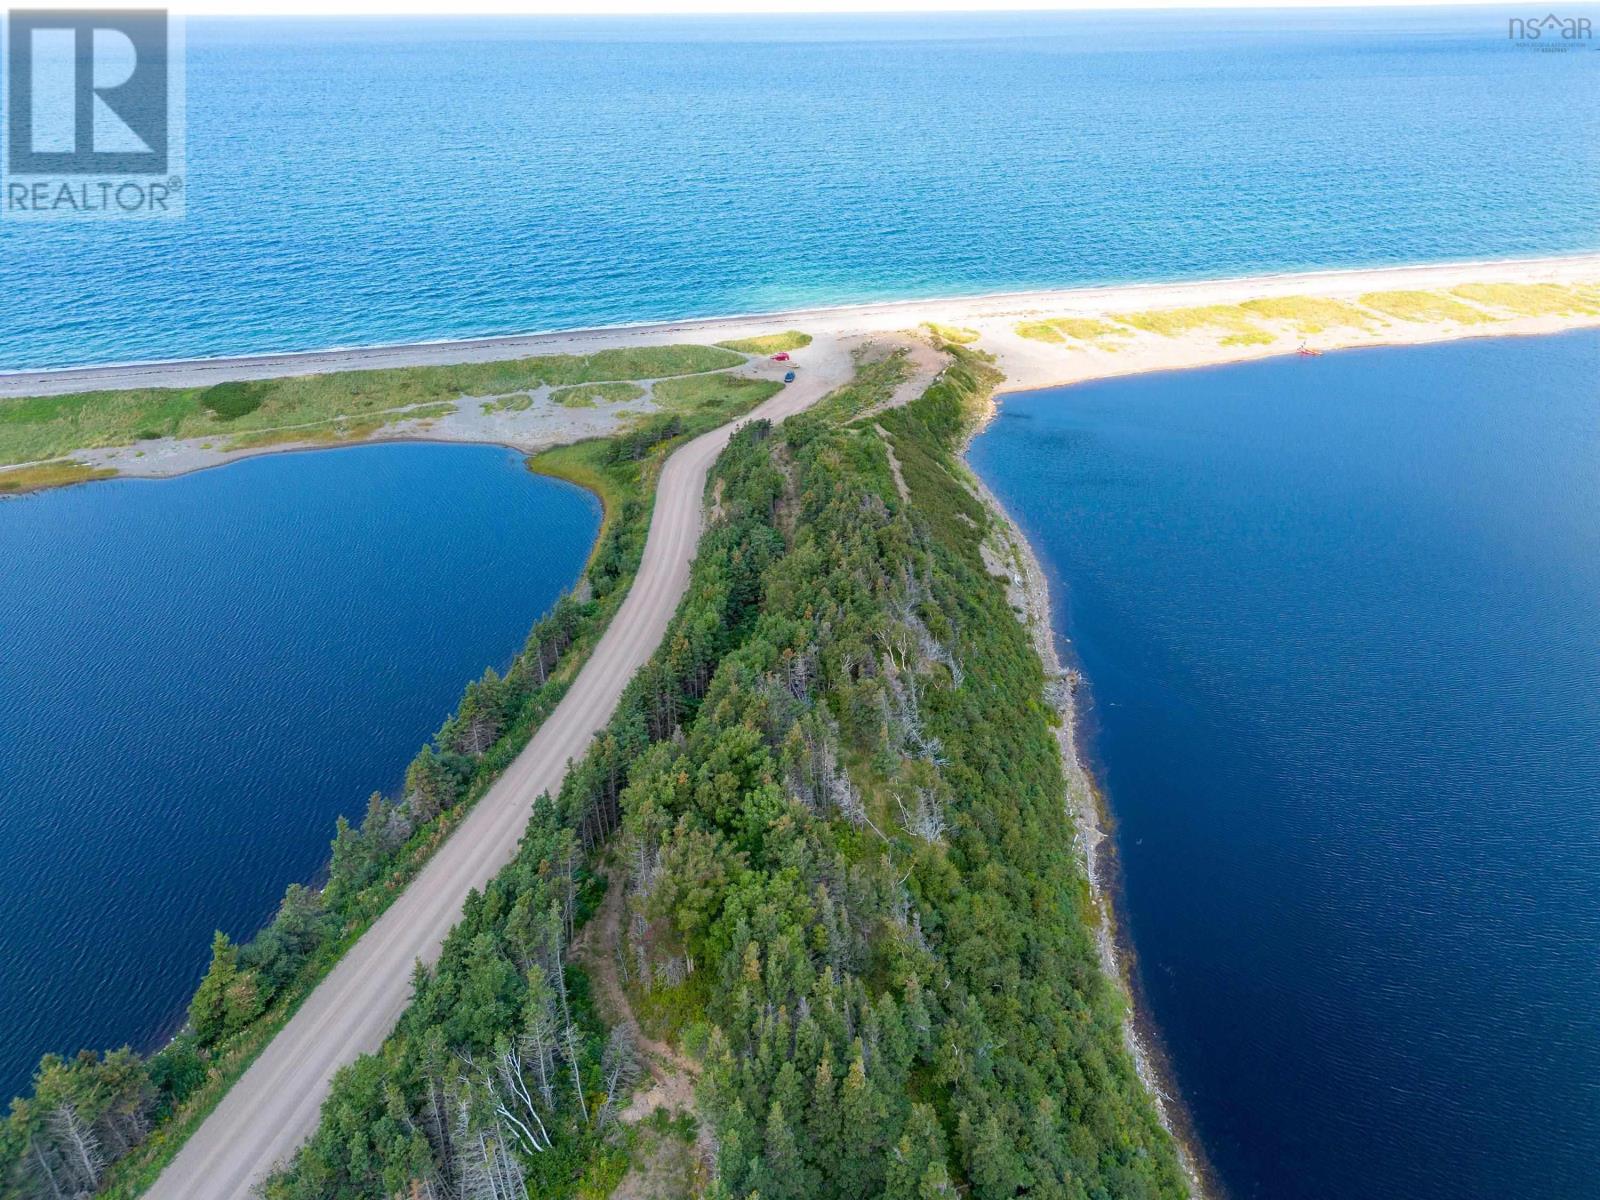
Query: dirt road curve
[[274, 1107]]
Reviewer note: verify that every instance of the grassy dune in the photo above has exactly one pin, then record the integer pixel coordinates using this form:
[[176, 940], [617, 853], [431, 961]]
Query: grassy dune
[[769, 343], [958, 334], [1424, 306], [1262, 322], [1531, 299], [1311, 314], [1237, 327], [1063, 329]]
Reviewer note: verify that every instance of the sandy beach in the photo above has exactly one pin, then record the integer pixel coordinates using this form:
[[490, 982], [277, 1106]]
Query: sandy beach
[[1038, 339], [988, 314]]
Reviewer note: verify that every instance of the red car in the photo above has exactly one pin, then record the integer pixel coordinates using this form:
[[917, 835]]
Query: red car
[[781, 356]]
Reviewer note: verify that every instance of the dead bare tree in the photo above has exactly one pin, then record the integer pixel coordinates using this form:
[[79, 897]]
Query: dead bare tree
[[571, 1043], [79, 1146], [619, 1067], [925, 819], [514, 1104]]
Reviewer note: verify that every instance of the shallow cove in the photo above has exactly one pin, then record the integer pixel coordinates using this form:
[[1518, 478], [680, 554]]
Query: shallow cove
[[199, 674], [1339, 620]]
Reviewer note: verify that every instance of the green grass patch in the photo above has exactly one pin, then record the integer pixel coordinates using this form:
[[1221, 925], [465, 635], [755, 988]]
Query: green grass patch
[[666, 1010], [958, 334], [45, 427], [38, 477], [1229, 319], [1424, 306], [718, 392], [520, 402], [1061, 330], [1530, 299], [1310, 314], [587, 395], [769, 343], [427, 414]]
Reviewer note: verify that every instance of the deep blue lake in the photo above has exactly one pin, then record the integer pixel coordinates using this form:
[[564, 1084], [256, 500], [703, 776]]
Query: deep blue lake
[[351, 182], [197, 675], [1340, 624]]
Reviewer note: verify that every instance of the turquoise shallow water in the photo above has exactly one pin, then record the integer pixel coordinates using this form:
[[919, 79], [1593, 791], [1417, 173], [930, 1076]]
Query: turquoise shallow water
[[361, 182], [1339, 622], [199, 674]]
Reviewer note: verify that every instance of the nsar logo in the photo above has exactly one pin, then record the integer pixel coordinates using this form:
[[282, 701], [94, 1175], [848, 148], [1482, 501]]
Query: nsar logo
[[1550, 32]]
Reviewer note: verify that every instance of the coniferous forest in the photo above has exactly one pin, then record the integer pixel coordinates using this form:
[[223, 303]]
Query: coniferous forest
[[834, 805]]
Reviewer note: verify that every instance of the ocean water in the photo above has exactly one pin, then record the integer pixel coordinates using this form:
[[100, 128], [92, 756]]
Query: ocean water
[[360, 182], [198, 675], [1339, 623]]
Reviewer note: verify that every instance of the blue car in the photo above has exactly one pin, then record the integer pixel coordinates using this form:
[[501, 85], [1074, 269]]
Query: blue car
[[789, 378]]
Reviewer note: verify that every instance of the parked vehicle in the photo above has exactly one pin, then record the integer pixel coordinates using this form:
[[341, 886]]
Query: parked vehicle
[[781, 356]]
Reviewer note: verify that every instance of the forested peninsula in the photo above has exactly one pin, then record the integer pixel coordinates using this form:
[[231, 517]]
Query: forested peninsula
[[833, 808]]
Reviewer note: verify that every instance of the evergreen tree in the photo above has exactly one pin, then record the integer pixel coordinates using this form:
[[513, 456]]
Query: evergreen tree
[[208, 1010], [430, 786], [916, 1158], [860, 1167], [781, 1175]]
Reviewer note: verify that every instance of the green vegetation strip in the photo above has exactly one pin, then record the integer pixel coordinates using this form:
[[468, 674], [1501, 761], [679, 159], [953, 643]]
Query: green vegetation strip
[[1078, 329], [1235, 325], [58, 473], [1424, 306], [770, 343], [1531, 299], [1311, 314], [1238, 323], [140, 1111], [958, 334], [849, 871], [713, 392], [47, 427]]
